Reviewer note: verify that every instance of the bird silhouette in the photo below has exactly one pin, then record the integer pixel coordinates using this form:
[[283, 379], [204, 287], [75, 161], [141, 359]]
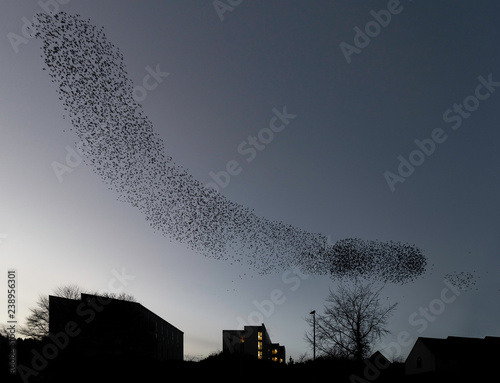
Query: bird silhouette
[[129, 156]]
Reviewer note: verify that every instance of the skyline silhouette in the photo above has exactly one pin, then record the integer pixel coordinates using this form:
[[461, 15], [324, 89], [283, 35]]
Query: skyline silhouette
[[209, 163]]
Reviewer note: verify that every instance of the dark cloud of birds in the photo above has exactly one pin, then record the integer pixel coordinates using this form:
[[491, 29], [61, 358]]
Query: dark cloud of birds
[[127, 154], [463, 280]]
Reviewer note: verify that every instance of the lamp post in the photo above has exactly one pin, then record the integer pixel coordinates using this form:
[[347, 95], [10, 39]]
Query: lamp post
[[313, 313]]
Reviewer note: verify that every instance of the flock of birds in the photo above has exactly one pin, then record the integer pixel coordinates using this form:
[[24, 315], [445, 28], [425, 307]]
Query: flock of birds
[[463, 280], [123, 149]]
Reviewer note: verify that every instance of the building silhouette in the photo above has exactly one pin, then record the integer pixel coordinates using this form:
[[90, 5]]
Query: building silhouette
[[453, 356], [253, 341], [100, 326]]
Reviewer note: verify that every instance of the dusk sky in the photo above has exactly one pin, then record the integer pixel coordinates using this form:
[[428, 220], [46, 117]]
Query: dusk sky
[[390, 132]]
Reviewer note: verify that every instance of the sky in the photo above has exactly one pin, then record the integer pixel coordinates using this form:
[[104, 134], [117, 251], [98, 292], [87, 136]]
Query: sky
[[391, 134]]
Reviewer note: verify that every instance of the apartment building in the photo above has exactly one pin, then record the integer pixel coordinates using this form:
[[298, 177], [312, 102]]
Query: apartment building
[[253, 341], [106, 326]]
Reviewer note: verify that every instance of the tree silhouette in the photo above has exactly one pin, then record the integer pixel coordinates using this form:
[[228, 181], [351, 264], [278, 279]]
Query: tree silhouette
[[37, 323], [353, 320]]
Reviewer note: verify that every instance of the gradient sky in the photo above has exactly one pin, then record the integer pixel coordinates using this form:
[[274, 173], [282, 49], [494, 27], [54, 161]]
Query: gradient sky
[[324, 173]]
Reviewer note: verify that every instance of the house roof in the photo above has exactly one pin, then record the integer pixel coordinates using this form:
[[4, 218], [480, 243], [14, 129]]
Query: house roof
[[463, 348]]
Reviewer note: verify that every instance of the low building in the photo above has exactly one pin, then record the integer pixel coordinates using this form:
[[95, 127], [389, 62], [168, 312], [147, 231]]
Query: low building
[[111, 327], [253, 341], [453, 356]]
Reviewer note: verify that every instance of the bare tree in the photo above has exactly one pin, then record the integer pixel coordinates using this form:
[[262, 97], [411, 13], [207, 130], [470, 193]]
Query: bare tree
[[68, 291], [3, 331], [37, 322], [302, 358], [353, 320], [122, 296]]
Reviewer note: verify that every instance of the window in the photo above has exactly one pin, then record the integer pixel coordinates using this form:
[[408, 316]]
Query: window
[[259, 345], [259, 335], [259, 354], [275, 351], [419, 362]]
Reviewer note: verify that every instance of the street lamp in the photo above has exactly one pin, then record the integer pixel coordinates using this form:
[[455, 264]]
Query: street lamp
[[313, 313]]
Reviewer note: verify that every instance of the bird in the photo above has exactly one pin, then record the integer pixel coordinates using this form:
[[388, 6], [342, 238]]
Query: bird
[[129, 157]]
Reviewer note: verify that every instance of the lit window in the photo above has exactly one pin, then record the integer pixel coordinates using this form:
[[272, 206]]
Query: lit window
[[242, 339], [259, 345], [259, 335], [259, 354], [275, 351]]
